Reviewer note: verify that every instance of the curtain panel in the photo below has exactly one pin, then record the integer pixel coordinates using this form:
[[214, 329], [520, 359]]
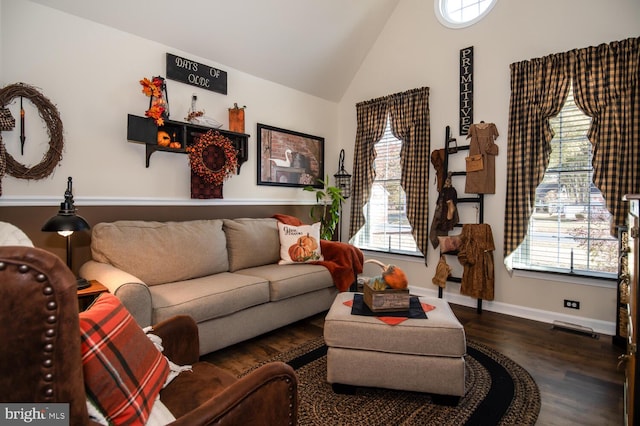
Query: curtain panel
[[605, 83], [538, 90], [410, 122]]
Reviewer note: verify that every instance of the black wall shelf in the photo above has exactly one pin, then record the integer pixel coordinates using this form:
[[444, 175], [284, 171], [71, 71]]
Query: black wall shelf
[[144, 130]]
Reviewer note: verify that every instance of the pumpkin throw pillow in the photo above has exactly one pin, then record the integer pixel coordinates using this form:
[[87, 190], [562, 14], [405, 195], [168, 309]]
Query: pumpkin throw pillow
[[299, 244], [123, 370]]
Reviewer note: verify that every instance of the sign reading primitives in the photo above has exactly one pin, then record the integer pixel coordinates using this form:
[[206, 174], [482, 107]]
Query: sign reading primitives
[[466, 89], [195, 74]]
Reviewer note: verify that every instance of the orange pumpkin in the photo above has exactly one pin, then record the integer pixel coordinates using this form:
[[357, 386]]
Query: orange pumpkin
[[395, 277], [163, 138], [392, 275], [309, 242], [298, 252]]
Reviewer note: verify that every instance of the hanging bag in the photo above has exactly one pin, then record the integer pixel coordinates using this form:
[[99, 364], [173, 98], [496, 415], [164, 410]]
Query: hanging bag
[[475, 163], [443, 271]]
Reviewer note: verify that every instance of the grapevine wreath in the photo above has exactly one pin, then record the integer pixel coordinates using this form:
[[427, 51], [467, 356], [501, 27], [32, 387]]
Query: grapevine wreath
[[197, 163], [49, 113]]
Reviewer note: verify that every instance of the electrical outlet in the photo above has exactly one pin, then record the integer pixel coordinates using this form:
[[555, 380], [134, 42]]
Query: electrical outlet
[[572, 304]]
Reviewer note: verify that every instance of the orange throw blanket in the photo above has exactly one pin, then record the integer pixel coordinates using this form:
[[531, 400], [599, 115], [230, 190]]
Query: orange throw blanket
[[343, 261]]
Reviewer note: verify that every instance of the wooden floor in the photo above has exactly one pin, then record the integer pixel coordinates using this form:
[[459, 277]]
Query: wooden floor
[[577, 375]]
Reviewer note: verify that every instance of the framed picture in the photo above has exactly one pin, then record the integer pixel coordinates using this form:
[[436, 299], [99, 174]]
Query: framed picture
[[288, 158]]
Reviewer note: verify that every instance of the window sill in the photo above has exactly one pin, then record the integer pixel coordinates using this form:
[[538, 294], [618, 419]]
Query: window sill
[[417, 258], [566, 278]]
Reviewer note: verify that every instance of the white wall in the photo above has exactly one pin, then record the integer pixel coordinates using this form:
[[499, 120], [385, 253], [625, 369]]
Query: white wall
[[91, 73], [415, 50]]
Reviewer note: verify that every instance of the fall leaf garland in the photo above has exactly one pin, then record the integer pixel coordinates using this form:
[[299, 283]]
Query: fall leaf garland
[[196, 160]]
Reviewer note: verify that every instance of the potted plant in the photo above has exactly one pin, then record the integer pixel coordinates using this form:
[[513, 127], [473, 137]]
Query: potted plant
[[327, 211]]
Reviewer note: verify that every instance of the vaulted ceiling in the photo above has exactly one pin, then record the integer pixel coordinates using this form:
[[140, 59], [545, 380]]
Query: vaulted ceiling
[[315, 46]]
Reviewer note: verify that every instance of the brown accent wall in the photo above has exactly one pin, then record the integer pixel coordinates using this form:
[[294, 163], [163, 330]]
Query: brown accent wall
[[30, 220]]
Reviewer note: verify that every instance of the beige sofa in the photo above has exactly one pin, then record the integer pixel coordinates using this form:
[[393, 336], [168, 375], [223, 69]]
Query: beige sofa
[[224, 273]]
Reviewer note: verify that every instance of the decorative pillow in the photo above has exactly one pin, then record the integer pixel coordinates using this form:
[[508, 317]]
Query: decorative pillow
[[11, 235], [450, 244], [123, 370], [299, 244]]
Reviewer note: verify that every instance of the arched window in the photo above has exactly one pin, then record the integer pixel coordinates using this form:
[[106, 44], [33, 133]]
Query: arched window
[[462, 13]]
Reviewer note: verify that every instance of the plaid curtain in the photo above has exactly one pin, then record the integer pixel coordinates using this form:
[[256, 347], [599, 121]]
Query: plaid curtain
[[409, 112], [410, 123], [538, 90], [605, 84], [371, 121], [606, 88]]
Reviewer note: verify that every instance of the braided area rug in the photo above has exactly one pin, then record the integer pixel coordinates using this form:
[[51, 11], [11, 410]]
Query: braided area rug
[[499, 392]]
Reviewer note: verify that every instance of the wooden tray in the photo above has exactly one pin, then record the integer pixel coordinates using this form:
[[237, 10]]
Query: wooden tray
[[388, 300]]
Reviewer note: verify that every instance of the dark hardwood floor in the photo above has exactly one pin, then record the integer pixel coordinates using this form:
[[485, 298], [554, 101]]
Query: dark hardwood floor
[[577, 375]]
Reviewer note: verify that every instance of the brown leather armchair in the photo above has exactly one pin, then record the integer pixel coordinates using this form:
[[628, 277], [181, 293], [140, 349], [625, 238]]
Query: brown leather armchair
[[40, 355]]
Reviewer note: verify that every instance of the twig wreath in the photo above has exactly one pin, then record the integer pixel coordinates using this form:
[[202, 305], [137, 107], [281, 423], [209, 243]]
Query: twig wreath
[[197, 163], [51, 117]]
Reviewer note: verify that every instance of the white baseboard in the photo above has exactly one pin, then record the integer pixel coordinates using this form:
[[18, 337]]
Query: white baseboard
[[598, 326]]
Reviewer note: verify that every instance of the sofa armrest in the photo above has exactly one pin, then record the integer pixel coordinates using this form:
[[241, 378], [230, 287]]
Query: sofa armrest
[[268, 395], [179, 336], [132, 291]]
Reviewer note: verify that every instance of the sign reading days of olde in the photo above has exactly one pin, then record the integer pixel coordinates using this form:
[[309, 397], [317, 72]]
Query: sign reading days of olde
[[195, 74], [466, 89]]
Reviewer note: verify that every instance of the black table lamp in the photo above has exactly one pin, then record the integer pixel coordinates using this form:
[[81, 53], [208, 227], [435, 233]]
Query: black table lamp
[[65, 223]]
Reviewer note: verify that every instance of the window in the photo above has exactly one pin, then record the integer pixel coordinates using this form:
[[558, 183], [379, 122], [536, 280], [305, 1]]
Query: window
[[387, 228], [462, 13], [569, 228]]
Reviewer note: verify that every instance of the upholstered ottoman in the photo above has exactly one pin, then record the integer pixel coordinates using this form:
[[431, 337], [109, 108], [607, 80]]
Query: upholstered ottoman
[[423, 355]]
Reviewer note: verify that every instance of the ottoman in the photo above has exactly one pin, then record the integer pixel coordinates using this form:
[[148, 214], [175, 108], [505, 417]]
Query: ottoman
[[423, 355]]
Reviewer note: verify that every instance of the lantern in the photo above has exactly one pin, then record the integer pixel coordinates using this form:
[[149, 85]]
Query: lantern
[[343, 179], [163, 99]]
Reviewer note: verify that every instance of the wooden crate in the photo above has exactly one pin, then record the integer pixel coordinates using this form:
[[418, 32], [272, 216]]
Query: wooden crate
[[388, 300]]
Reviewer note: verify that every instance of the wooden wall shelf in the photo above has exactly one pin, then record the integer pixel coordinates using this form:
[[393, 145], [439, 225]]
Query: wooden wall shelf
[[144, 130]]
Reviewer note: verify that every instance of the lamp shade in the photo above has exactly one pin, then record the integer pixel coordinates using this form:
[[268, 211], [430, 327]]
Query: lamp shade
[[66, 221]]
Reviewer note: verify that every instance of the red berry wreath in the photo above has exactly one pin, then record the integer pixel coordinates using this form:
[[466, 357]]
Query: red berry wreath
[[196, 161]]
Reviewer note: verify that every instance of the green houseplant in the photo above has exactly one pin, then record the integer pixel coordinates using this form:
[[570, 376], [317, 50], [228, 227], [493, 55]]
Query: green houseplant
[[327, 211]]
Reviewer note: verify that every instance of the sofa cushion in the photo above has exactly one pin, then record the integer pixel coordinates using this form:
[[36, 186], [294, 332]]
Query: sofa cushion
[[291, 280], [161, 252], [208, 297], [251, 242], [123, 370]]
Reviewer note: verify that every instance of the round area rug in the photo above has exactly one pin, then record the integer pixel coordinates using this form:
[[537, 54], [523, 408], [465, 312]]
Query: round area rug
[[499, 392]]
